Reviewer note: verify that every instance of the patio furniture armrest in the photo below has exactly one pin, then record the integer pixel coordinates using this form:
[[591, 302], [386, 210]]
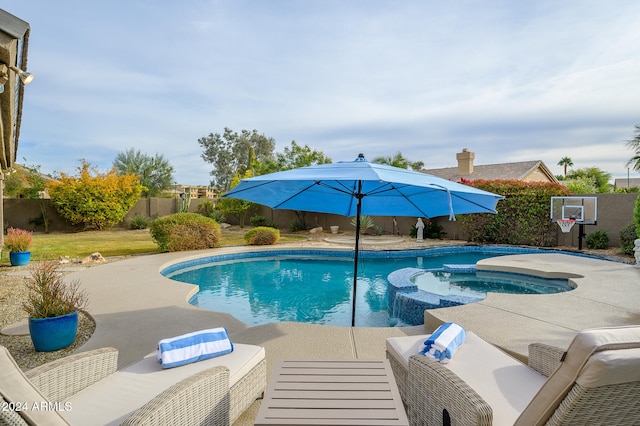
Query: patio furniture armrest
[[435, 392], [246, 390], [62, 378], [544, 358], [202, 398]]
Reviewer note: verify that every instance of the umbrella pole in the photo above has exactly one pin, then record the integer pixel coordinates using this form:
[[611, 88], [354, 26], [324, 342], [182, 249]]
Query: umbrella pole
[[355, 257]]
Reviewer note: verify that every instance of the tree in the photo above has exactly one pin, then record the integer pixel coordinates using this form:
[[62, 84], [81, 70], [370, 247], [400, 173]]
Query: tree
[[24, 182], [94, 199], [235, 206], [635, 145], [398, 160], [293, 157], [229, 153], [155, 173], [598, 178], [566, 162], [28, 182], [581, 185]]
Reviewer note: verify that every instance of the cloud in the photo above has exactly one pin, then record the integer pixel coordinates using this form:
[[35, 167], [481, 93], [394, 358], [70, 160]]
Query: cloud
[[509, 81]]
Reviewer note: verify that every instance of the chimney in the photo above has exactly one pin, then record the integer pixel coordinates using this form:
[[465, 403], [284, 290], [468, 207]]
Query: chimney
[[465, 162]]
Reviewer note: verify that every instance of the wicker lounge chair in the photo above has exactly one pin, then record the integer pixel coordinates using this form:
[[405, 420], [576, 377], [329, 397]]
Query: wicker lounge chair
[[596, 381], [86, 389]]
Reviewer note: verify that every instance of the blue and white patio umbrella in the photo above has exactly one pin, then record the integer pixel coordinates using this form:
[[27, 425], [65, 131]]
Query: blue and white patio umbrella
[[356, 188]]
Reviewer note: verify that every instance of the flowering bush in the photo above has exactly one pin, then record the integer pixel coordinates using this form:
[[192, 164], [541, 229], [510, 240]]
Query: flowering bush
[[94, 199], [18, 239]]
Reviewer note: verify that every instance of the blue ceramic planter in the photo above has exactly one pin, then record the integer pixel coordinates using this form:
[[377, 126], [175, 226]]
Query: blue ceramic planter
[[19, 258], [51, 334]]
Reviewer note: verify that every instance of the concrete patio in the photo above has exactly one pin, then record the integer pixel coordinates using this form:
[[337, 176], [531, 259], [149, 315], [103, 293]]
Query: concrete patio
[[134, 307]]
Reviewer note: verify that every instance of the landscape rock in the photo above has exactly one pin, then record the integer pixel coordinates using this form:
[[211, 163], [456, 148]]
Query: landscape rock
[[93, 258]]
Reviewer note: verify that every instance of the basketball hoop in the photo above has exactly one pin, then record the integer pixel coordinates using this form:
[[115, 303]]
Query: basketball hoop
[[565, 224]]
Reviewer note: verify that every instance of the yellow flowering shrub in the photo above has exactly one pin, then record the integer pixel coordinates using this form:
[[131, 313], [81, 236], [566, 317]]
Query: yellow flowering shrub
[[94, 199]]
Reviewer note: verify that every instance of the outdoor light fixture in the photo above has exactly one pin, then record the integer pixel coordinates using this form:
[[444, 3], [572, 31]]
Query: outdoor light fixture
[[25, 77], [3, 77]]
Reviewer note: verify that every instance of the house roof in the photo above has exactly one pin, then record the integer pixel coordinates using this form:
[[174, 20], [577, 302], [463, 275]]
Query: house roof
[[519, 171], [627, 183]]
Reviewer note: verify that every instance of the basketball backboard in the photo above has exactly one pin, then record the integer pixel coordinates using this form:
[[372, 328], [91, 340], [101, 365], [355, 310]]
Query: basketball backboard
[[584, 210]]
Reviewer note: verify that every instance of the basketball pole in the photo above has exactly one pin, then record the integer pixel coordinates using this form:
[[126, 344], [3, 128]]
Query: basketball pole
[[581, 234]]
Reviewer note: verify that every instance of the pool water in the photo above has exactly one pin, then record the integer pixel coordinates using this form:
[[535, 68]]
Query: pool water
[[313, 288], [480, 283]]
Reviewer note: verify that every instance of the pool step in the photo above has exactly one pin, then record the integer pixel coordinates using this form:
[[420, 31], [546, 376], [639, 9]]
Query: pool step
[[459, 268]]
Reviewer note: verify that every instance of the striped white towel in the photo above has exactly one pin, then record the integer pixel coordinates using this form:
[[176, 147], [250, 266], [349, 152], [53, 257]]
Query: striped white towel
[[192, 347], [444, 342]]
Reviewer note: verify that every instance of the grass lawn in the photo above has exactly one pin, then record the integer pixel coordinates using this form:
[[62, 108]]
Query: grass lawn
[[109, 243]]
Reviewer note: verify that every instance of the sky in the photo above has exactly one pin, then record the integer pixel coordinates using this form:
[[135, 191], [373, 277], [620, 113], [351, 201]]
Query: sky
[[509, 80]]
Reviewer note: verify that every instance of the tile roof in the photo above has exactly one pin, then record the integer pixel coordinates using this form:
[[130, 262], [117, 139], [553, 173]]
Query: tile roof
[[518, 171], [627, 182]]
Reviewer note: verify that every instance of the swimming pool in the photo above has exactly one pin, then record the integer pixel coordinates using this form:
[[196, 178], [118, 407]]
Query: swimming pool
[[314, 286]]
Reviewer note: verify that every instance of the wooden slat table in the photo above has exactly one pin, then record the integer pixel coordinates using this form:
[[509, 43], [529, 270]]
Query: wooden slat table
[[332, 392]]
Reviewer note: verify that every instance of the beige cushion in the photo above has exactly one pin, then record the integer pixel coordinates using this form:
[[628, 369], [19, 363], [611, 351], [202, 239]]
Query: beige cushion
[[611, 368], [16, 388], [503, 382], [116, 397], [583, 346]]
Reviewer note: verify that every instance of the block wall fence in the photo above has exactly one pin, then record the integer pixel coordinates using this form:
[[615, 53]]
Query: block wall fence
[[615, 211]]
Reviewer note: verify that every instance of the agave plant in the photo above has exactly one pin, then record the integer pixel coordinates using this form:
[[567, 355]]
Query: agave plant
[[366, 222]]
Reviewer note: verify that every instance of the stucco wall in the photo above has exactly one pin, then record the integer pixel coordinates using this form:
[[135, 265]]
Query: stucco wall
[[21, 213]]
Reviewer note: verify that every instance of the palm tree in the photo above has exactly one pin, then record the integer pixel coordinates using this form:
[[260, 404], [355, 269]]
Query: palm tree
[[156, 173], [397, 160], [565, 161], [635, 145]]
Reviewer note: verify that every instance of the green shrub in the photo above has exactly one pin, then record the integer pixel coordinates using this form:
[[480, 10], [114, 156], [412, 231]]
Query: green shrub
[[598, 240], [262, 236], [139, 221], [218, 216], [523, 215], [257, 220], [296, 226], [627, 236], [205, 208], [431, 230], [185, 231], [636, 216], [208, 209]]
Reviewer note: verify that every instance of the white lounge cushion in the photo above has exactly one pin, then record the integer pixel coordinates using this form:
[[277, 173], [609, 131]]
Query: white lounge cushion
[[116, 397], [16, 389], [611, 368], [582, 348], [503, 382]]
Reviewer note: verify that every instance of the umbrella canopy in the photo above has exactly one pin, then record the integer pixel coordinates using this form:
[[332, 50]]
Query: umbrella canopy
[[356, 188]]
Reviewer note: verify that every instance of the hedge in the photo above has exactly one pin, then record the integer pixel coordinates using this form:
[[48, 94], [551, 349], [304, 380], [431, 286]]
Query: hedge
[[185, 231]]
